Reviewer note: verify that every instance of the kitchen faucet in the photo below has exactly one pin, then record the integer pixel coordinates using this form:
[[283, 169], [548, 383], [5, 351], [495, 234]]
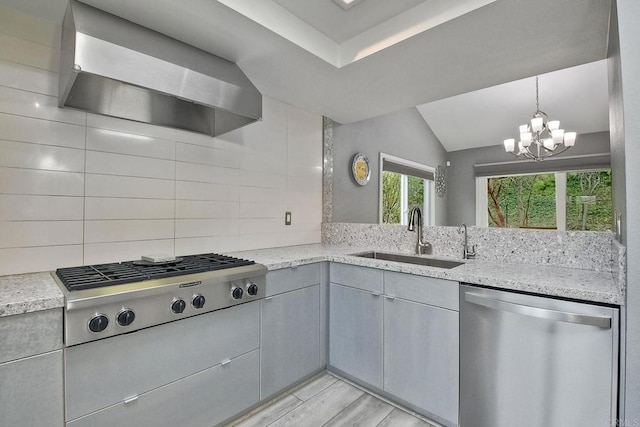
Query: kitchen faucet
[[466, 253], [421, 247]]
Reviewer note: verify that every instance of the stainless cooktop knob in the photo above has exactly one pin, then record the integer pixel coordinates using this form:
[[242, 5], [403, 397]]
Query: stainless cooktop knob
[[198, 301], [236, 293], [126, 317], [252, 289], [178, 305], [98, 323]]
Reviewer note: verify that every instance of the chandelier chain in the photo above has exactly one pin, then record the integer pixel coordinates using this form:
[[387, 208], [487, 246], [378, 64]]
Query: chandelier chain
[[537, 97]]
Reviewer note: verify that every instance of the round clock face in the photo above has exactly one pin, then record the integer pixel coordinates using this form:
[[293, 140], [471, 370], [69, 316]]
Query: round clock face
[[441, 181], [360, 169]]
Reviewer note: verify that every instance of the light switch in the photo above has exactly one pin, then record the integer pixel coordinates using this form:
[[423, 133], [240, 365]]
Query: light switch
[[287, 218]]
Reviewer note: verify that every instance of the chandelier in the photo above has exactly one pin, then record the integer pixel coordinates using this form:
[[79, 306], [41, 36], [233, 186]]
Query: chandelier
[[541, 138]]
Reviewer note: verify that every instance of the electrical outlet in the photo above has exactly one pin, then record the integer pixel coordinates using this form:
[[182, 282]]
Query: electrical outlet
[[287, 218]]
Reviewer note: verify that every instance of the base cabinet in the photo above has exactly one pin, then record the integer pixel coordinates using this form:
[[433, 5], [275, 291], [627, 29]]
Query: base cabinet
[[398, 333], [206, 398], [290, 338], [31, 391], [421, 353], [355, 328]]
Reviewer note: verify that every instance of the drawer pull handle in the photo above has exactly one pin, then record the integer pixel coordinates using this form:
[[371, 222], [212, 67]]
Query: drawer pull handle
[[375, 294], [225, 362], [131, 399], [268, 298], [390, 297]]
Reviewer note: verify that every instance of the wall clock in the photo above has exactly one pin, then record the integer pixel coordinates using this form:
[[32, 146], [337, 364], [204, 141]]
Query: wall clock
[[360, 169], [441, 181]]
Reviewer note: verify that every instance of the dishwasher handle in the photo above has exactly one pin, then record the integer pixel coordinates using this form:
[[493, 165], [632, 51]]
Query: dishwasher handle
[[541, 313]]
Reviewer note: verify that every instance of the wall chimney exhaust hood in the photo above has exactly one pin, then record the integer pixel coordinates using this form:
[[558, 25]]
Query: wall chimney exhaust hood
[[111, 66]]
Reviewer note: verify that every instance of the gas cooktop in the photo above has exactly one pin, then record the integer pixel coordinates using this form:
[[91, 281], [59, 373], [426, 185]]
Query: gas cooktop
[[99, 275]]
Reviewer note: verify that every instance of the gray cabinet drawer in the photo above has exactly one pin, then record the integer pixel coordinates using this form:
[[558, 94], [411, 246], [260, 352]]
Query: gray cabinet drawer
[[204, 399], [426, 290], [30, 334], [289, 279], [31, 391], [368, 279], [131, 364]]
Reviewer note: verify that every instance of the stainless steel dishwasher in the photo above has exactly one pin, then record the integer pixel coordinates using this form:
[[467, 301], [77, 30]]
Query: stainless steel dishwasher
[[535, 361]]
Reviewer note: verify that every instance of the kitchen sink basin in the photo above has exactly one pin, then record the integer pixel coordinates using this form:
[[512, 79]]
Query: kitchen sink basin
[[409, 259]]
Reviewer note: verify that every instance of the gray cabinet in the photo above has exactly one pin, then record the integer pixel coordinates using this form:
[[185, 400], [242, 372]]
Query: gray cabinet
[[31, 391], [206, 398], [290, 339], [31, 381], [355, 328], [421, 356], [398, 333]]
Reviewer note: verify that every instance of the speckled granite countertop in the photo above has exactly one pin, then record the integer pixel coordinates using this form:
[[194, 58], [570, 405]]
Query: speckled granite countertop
[[571, 283], [24, 293]]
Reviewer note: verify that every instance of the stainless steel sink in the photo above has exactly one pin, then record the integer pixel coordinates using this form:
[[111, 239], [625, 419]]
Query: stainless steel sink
[[430, 262]]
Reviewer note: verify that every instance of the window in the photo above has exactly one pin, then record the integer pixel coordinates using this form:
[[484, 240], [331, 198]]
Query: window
[[562, 200], [403, 185]]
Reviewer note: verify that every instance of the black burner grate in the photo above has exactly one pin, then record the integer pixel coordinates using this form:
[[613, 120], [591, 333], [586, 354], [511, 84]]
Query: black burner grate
[[95, 276]]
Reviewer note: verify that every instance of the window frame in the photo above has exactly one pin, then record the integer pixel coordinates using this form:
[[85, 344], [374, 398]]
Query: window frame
[[428, 209], [482, 215]]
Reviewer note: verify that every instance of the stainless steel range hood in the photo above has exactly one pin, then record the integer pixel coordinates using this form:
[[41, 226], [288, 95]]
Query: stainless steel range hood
[[114, 67]]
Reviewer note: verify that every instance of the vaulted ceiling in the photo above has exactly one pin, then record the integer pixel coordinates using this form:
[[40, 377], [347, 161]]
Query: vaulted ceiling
[[381, 56]]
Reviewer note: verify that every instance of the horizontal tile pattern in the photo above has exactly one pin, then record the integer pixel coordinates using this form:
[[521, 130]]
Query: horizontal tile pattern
[[42, 182], [101, 231], [125, 165], [42, 258], [35, 156], [21, 234], [17, 207], [80, 188], [125, 208]]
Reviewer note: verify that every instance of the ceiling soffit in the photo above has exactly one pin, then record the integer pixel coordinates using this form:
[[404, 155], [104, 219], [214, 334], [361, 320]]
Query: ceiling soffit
[[402, 26]]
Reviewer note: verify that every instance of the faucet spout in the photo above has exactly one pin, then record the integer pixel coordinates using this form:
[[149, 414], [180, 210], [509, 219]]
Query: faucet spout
[[415, 221], [466, 252]]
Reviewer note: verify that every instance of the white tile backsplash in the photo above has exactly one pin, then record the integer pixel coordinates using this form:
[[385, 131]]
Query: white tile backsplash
[[40, 258], [22, 234], [126, 165], [97, 253], [41, 182], [44, 157], [31, 104], [16, 49], [127, 230], [78, 188], [20, 207], [110, 141], [27, 78], [130, 187], [125, 208]]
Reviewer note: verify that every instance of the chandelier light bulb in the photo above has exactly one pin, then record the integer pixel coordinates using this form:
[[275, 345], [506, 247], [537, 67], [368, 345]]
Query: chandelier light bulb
[[554, 125], [569, 139], [536, 124], [548, 144], [524, 129], [509, 145], [526, 138], [557, 136]]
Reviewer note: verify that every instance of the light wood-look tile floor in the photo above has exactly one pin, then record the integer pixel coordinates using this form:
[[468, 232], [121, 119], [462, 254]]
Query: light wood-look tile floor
[[329, 401]]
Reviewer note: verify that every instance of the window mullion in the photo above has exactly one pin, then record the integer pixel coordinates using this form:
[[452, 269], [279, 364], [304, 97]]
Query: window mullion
[[404, 199]]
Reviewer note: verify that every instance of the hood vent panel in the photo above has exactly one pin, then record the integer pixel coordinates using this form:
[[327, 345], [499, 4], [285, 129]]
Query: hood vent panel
[[113, 67]]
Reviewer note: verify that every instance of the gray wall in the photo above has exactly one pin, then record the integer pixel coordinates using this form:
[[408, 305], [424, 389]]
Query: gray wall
[[625, 127], [403, 134], [461, 178]]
